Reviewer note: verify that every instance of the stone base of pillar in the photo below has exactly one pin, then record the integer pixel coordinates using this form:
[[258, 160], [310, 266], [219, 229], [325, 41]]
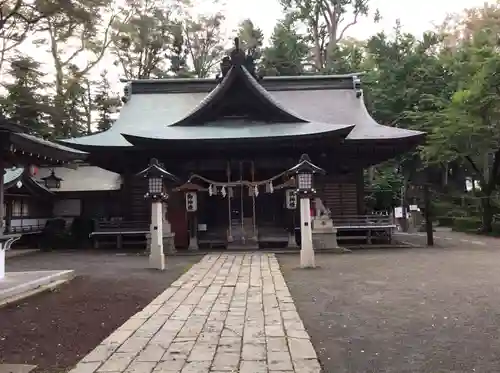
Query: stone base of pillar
[[307, 259], [157, 261], [169, 243], [324, 233], [193, 244]]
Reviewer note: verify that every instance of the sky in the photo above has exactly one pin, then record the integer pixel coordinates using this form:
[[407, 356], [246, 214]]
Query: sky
[[416, 16]]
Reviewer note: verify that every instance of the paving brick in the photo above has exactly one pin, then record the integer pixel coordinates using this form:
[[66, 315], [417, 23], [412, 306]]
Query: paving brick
[[140, 367], [85, 368], [118, 362], [253, 351], [279, 361], [226, 361], [307, 366], [253, 367], [202, 352], [169, 366], [229, 312], [152, 353], [196, 367], [99, 354], [301, 349]]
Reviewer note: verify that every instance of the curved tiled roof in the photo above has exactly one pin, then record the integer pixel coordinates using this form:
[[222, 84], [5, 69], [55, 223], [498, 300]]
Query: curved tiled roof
[[325, 102]]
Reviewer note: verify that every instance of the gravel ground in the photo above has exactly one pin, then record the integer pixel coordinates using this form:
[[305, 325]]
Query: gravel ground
[[404, 310], [54, 330]]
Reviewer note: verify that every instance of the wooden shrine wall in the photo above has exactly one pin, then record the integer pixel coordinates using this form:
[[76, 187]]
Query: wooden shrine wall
[[134, 189], [343, 194]]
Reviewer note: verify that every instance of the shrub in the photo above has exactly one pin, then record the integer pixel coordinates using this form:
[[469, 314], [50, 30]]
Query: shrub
[[54, 235], [466, 224], [80, 231], [445, 221]]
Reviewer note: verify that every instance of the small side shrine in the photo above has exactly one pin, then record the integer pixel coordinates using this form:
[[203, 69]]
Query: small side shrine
[[18, 148]]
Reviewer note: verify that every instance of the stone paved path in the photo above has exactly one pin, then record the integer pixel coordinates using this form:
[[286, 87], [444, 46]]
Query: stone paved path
[[228, 313]]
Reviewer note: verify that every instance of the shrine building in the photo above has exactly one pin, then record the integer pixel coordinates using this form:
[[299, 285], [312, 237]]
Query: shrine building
[[229, 140]]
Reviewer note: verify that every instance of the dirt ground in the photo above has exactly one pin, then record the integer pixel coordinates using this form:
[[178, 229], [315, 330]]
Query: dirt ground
[[54, 330], [402, 310]]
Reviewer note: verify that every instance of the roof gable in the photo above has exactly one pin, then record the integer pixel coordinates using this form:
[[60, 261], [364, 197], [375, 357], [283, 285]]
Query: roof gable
[[238, 96]]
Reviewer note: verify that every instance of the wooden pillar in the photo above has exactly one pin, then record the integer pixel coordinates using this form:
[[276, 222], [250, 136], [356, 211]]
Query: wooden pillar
[[428, 216], [229, 197], [8, 215], [360, 190], [2, 193], [242, 214], [254, 221]]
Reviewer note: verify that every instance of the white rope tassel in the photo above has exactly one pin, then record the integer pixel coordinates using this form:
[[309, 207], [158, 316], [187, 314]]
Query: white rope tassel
[[256, 191], [223, 191], [269, 187], [231, 192], [210, 190]]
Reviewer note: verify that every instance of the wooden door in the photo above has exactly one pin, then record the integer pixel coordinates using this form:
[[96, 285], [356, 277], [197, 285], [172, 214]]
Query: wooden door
[[178, 219]]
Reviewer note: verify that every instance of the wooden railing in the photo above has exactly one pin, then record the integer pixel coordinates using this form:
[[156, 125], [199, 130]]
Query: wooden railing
[[363, 221], [28, 228]]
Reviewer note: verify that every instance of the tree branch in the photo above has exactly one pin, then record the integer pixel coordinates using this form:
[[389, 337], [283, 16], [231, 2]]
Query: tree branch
[[354, 21]]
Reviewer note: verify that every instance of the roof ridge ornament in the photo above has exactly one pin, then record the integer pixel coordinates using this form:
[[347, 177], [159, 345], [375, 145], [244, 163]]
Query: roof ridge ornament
[[127, 91], [236, 58], [356, 84]]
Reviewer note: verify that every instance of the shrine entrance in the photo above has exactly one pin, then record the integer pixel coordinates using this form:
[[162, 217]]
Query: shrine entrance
[[243, 225]]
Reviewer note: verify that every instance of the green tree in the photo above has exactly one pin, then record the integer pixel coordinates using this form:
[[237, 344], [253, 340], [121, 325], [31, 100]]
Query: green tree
[[25, 102], [203, 42], [76, 41], [468, 128], [105, 102], [383, 187], [327, 21], [251, 38], [143, 35], [288, 50]]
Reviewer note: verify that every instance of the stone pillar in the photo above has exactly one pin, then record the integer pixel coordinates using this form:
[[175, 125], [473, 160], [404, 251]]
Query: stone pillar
[[156, 256], [193, 239], [306, 250], [168, 235], [292, 243], [2, 262]]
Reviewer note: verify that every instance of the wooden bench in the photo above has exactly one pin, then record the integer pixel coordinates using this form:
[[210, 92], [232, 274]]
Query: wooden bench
[[119, 230], [364, 227]]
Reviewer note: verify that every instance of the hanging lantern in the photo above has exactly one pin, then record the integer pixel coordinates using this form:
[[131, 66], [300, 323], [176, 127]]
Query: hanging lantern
[[155, 174], [230, 192], [210, 190], [223, 191], [52, 181], [256, 191], [305, 170]]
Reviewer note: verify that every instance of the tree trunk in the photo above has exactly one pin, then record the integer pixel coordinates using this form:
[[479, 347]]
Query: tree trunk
[[487, 213]]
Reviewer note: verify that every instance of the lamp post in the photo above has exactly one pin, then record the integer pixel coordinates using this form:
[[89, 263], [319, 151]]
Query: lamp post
[[305, 171], [52, 181], [156, 174]]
